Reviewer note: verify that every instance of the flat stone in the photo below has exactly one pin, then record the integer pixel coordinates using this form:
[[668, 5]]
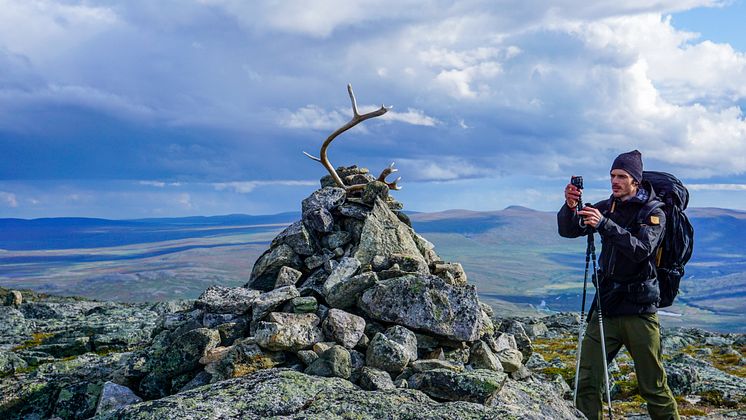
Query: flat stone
[[355, 211], [305, 305], [291, 332], [327, 198], [317, 260], [476, 386], [269, 301], [426, 303], [423, 365], [372, 379], [453, 273]]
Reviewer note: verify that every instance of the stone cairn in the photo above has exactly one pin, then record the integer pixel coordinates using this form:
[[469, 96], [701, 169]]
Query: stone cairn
[[349, 291]]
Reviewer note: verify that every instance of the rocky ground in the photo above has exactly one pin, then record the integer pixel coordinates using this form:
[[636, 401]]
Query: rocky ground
[[348, 314]]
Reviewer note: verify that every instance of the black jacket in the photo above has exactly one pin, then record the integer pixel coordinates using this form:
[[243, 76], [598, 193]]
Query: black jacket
[[630, 234]]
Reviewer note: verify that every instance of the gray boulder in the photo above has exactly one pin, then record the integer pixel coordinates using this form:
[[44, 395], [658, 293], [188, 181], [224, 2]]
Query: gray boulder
[[287, 276], [344, 294], [482, 357], [297, 237], [384, 234], [510, 359], [222, 300], [476, 386], [115, 396], [335, 362], [327, 198], [269, 301], [267, 267], [386, 354], [319, 220], [340, 274], [343, 327], [427, 303], [404, 337], [292, 332], [372, 379]]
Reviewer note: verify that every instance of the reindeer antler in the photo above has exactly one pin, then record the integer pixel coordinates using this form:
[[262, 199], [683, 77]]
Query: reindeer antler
[[357, 118]]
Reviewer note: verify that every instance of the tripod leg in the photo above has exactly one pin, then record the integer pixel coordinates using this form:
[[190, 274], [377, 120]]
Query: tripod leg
[[601, 323], [581, 326]]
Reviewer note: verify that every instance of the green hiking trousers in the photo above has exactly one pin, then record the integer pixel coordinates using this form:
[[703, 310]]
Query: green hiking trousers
[[640, 334]]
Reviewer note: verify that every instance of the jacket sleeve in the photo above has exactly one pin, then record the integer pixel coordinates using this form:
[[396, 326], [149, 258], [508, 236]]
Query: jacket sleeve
[[568, 223], [635, 247]]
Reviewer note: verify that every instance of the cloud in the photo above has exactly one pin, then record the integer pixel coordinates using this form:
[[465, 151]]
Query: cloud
[[9, 199], [439, 168], [316, 118], [716, 187], [245, 187]]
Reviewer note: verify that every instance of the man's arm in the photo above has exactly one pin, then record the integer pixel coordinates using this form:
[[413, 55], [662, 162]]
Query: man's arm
[[568, 222], [636, 247]]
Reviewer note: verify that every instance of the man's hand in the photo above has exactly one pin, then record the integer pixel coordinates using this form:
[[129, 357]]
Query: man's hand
[[591, 216], [572, 195]]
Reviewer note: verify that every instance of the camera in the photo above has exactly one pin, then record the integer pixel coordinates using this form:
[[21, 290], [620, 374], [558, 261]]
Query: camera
[[577, 182]]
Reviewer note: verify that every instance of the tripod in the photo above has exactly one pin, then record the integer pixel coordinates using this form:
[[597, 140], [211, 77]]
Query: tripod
[[590, 253]]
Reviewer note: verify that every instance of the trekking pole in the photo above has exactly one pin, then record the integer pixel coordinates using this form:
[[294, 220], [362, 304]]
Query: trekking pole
[[581, 327], [592, 247]]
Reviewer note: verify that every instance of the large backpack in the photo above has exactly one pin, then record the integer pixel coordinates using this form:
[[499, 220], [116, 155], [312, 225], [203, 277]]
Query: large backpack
[[676, 247]]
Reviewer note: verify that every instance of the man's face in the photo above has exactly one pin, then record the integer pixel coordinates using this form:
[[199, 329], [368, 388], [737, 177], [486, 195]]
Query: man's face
[[622, 184]]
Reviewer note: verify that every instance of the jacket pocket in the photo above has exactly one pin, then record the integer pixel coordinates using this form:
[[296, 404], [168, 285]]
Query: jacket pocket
[[643, 293]]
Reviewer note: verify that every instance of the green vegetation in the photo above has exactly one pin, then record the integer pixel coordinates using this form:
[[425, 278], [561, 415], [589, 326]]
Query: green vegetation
[[36, 340]]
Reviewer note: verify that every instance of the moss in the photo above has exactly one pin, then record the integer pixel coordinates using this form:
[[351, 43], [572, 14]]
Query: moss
[[715, 398], [691, 411], [37, 339]]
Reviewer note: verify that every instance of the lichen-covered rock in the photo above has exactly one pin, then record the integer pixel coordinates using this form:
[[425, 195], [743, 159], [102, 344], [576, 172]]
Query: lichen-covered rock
[[223, 300], [386, 354], [304, 304], [13, 325], [476, 386], [335, 361], [344, 294], [375, 190], [292, 332], [343, 327], [13, 298], [180, 357], [287, 276], [452, 273], [481, 357], [340, 274], [406, 338], [327, 198], [319, 220], [266, 268], [510, 359], [269, 301], [243, 358], [522, 339], [10, 363], [687, 375], [372, 379], [424, 365], [297, 237], [115, 396], [427, 303], [384, 234]]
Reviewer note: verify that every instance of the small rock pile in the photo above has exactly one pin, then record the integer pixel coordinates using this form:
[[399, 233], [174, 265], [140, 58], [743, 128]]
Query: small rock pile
[[350, 291]]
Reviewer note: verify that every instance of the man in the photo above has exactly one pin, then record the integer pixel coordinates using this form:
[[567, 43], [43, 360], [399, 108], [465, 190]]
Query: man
[[631, 225]]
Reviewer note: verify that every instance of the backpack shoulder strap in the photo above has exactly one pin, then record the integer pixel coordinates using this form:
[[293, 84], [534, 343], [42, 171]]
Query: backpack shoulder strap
[[647, 209]]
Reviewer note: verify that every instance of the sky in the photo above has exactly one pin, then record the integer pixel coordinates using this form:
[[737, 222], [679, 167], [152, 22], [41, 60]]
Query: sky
[[132, 109]]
